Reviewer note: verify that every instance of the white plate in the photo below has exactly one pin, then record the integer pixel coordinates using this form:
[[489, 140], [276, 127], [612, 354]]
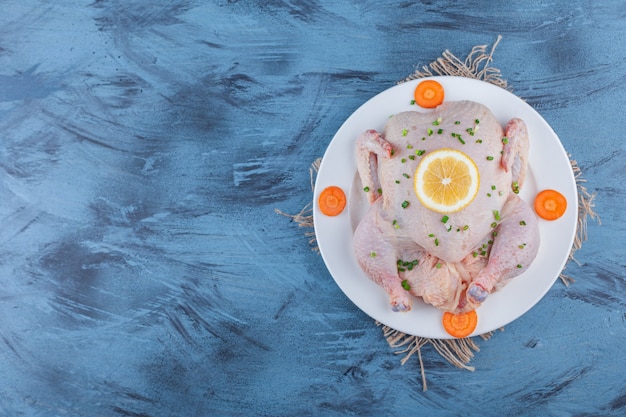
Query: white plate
[[549, 167]]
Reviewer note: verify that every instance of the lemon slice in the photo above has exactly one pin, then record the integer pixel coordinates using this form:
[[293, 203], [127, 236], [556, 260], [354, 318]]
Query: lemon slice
[[446, 180]]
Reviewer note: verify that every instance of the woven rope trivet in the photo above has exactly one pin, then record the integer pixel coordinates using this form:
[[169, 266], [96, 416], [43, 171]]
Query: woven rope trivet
[[459, 352]]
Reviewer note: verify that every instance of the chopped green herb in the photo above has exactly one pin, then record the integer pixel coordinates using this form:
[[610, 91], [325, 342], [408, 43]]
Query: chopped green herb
[[404, 132], [406, 175], [522, 223], [479, 141], [431, 235], [493, 187], [522, 246], [436, 242], [406, 285], [438, 266], [380, 191], [466, 227], [395, 224], [420, 152], [440, 131], [458, 122], [393, 152], [458, 136], [494, 225], [505, 140], [403, 160], [445, 219], [405, 204], [490, 158], [519, 266], [430, 132], [412, 102], [477, 121], [409, 146], [436, 122], [515, 187], [366, 189], [412, 157], [372, 254], [474, 254], [397, 181], [488, 194], [496, 215]]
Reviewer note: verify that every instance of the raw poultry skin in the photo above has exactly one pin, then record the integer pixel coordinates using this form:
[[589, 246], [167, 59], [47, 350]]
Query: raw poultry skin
[[408, 249]]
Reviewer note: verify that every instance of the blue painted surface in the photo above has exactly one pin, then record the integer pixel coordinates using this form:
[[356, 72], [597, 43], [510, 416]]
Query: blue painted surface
[[144, 147]]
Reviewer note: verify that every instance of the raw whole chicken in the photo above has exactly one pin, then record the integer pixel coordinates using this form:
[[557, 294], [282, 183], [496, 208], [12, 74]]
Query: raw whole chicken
[[452, 261]]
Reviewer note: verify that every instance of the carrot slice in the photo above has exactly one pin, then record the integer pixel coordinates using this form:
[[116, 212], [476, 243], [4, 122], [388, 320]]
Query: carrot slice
[[460, 325], [429, 94], [550, 204], [332, 200]]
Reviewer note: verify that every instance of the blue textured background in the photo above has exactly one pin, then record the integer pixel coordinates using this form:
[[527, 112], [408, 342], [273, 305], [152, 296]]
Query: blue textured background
[[145, 145]]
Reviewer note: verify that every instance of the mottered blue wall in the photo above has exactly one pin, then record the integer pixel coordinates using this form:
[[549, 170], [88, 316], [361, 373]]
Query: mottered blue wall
[[145, 145]]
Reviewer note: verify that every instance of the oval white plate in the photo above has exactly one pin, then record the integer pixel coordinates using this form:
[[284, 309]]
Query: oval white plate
[[549, 167]]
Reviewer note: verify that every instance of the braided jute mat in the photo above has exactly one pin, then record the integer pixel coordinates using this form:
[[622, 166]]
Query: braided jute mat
[[459, 352]]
